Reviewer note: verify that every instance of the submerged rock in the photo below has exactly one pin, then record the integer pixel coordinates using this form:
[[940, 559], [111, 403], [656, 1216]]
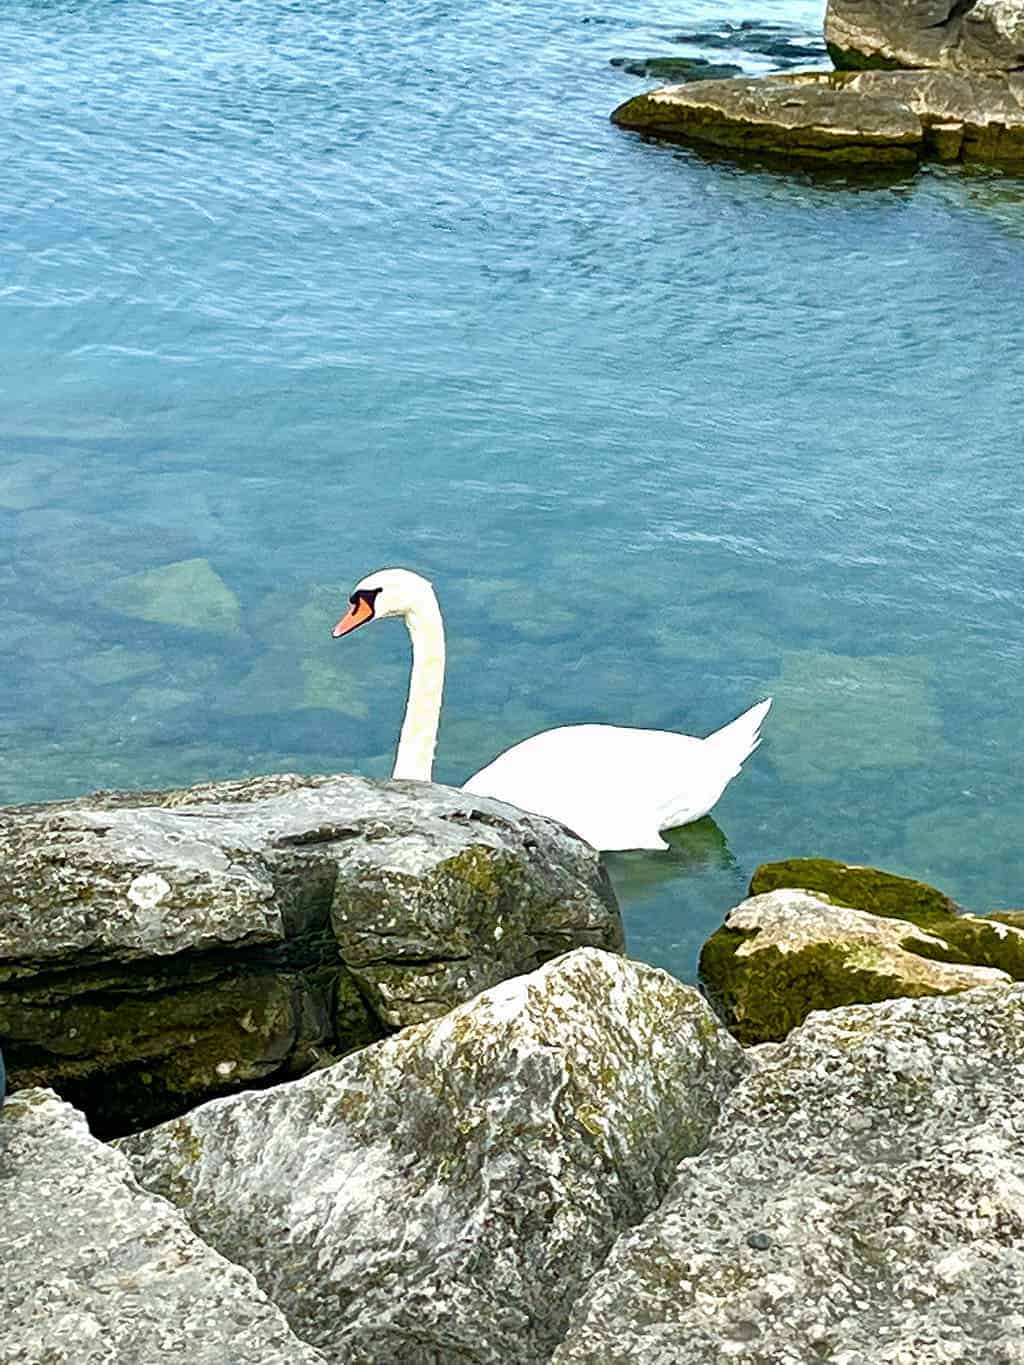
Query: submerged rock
[[962, 35], [862, 935], [95, 1270], [190, 593], [159, 948], [445, 1194], [786, 43], [860, 1200], [676, 68]]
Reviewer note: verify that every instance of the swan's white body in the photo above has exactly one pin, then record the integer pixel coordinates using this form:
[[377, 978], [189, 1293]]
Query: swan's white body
[[616, 787]]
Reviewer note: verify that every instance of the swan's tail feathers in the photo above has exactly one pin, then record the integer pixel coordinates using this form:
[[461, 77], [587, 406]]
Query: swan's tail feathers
[[741, 736]]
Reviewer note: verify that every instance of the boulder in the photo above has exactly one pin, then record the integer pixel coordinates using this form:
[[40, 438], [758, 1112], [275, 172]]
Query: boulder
[[961, 35], [158, 948], [995, 940], [783, 954], [445, 1194], [860, 1200], [867, 888], [95, 1270], [876, 118]]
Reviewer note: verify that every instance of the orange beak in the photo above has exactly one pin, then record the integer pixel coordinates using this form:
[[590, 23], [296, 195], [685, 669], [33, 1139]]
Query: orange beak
[[357, 615]]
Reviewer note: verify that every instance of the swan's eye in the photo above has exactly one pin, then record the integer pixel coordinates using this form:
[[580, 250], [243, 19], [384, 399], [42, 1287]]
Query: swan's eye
[[367, 595]]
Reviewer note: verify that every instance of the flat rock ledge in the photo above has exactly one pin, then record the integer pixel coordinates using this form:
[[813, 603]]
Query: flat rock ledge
[[159, 948], [818, 934], [94, 1270], [444, 1195], [859, 1203], [867, 118]]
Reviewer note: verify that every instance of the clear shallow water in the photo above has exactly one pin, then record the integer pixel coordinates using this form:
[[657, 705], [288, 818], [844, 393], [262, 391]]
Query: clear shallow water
[[294, 290]]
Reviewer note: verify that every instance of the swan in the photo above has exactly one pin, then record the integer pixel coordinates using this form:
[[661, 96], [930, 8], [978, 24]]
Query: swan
[[615, 786]]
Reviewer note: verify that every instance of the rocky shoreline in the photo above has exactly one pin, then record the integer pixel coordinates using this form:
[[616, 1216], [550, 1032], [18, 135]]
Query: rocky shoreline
[[913, 82], [527, 1147]]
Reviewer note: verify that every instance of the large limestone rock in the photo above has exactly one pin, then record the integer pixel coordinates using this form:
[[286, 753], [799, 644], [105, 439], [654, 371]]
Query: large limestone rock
[[962, 35], [444, 1195], [860, 1203], [159, 948], [93, 1270], [877, 118]]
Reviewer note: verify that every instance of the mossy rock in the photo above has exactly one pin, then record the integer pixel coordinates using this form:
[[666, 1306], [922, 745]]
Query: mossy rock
[[817, 935], [864, 888], [973, 939]]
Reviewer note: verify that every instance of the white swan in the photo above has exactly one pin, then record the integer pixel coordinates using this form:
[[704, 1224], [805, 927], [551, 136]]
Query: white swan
[[615, 786]]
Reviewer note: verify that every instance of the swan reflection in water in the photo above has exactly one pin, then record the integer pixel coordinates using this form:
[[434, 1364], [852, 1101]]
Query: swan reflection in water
[[664, 897]]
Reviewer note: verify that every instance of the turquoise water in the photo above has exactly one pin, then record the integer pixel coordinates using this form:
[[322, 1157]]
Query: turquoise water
[[293, 289]]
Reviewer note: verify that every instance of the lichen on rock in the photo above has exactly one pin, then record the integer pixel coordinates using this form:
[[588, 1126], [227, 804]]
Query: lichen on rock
[[446, 1193], [860, 1200], [157, 949]]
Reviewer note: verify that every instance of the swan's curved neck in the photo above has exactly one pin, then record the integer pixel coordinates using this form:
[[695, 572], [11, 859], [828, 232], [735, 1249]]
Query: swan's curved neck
[[415, 757]]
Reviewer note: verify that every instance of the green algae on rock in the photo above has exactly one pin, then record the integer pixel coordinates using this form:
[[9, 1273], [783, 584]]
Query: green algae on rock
[[863, 935], [787, 952], [864, 888]]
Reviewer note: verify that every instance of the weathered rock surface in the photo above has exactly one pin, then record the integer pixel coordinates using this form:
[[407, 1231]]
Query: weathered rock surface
[[962, 35], [860, 1203], [783, 954], [876, 118], [767, 115], [964, 116], [95, 1271], [158, 948], [443, 1195]]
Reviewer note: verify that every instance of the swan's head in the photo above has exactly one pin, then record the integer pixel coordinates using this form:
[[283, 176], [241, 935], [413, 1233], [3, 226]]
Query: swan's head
[[388, 592]]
